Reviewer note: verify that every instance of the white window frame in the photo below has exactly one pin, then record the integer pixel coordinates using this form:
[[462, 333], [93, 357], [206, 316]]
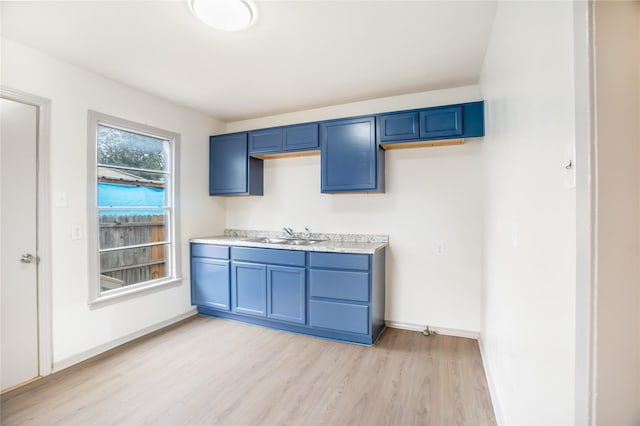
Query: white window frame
[[173, 235]]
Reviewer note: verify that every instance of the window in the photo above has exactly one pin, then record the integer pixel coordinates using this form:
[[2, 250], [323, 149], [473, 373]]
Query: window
[[132, 223]]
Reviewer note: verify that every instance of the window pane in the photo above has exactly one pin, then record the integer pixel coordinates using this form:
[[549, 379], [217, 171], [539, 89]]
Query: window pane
[[123, 228], [125, 267], [118, 147], [122, 195], [134, 190]]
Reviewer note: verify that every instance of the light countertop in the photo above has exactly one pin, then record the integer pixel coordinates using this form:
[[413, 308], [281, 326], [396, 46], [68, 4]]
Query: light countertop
[[339, 243]]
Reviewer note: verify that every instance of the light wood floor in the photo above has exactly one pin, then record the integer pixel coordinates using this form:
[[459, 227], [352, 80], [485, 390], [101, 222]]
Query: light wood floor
[[213, 371]]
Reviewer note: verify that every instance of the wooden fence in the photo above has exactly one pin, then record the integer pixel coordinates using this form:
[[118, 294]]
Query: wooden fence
[[130, 266]]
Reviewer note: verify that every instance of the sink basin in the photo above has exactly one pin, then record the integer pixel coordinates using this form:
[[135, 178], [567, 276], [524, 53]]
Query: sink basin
[[289, 241], [303, 242], [266, 240]]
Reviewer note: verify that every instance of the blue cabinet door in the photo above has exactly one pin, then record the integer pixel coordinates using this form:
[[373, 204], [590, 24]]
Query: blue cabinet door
[[231, 170], [441, 122], [286, 294], [265, 141], [210, 283], [399, 126], [300, 137], [249, 284], [349, 155]]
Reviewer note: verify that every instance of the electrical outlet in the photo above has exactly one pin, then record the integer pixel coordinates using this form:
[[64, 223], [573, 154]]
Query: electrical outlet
[[440, 249]]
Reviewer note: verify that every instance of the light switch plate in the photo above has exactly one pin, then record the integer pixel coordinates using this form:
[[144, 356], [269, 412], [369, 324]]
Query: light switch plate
[[76, 232]]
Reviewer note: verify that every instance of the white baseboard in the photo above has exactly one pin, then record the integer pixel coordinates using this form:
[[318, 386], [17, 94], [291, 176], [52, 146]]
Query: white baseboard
[[68, 362], [438, 330], [497, 408]]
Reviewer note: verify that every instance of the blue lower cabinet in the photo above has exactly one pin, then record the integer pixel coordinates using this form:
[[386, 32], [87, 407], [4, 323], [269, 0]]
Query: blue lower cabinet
[[333, 295], [249, 284], [210, 283], [347, 294], [286, 294]]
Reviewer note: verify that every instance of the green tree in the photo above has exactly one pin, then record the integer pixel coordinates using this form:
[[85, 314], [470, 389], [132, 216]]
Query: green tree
[[118, 147]]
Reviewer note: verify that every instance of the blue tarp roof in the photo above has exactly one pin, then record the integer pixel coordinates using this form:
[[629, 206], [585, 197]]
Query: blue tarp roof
[[112, 195]]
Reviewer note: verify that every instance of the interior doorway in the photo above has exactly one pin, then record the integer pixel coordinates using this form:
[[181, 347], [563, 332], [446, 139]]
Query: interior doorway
[[24, 253]]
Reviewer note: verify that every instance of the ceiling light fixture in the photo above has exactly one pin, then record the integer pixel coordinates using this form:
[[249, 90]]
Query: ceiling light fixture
[[225, 15]]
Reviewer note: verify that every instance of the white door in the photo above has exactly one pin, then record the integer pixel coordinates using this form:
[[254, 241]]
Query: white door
[[18, 251]]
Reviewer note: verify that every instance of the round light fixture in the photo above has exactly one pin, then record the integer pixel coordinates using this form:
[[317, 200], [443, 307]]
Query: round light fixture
[[225, 15]]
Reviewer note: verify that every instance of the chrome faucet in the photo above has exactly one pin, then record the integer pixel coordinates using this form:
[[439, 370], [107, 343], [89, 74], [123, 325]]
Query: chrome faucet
[[307, 234], [289, 232]]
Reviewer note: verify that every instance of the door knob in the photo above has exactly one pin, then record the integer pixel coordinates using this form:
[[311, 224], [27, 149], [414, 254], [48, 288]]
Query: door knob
[[27, 258]]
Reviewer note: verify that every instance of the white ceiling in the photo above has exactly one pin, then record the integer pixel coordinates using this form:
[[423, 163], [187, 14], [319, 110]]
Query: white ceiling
[[298, 55]]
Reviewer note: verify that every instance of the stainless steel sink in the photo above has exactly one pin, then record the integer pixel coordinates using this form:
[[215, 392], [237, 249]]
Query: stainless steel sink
[[303, 242], [266, 240], [289, 241]]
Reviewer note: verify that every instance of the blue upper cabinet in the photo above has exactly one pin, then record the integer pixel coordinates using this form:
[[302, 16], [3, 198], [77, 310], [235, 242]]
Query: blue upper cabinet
[[350, 159], [473, 119], [398, 126], [231, 170], [279, 140], [431, 124], [441, 122], [352, 149], [300, 137], [265, 141]]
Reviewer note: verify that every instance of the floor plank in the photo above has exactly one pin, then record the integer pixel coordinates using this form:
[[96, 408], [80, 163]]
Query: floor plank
[[209, 371]]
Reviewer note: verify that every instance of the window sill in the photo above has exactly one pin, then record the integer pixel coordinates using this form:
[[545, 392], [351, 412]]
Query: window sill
[[124, 294]]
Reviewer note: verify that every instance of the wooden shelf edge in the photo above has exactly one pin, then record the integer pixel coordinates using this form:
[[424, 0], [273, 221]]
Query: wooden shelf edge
[[286, 154], [422, 144]]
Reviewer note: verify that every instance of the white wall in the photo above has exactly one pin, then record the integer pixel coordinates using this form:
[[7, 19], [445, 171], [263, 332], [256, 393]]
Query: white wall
[[529, 221], [76, 327], [617, 92], [433, 195]]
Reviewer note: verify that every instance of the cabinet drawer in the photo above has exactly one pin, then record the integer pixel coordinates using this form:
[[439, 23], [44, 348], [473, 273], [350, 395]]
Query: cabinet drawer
[[270, 256], [339, 284], [398, 127], [346, 317], [263, 141], [339, 261], [300, 137], [209, 250], [441, 122]]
